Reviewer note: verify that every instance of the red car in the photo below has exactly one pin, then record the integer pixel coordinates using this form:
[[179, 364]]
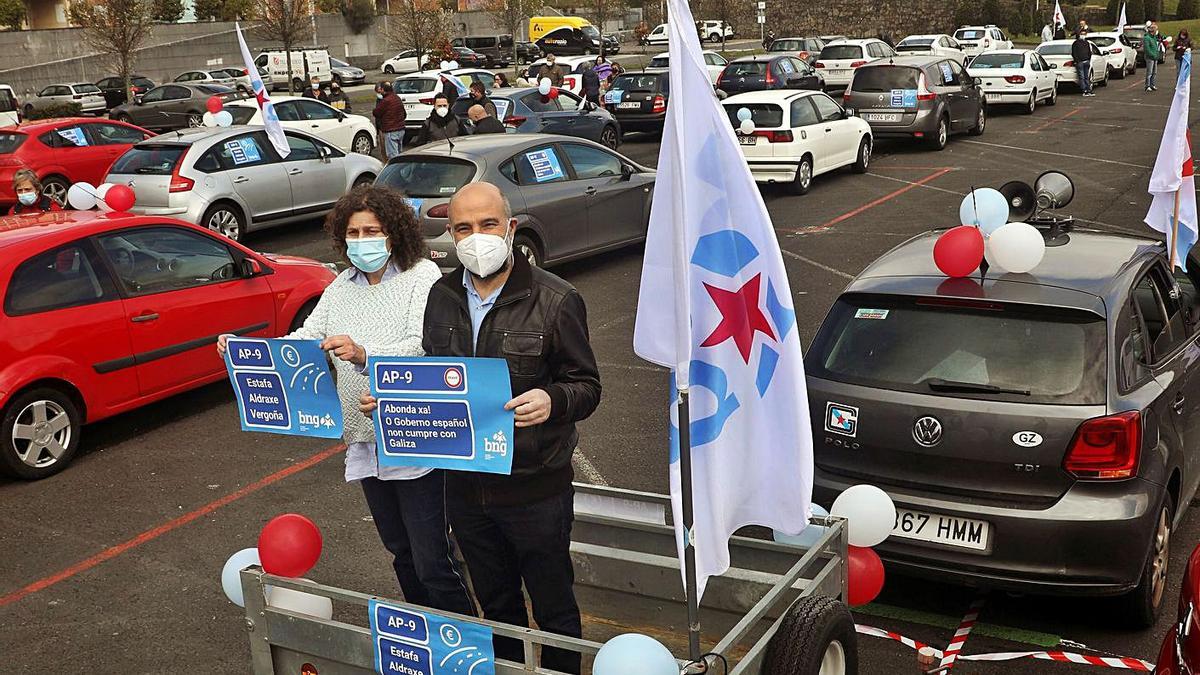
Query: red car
[[63, 151], [106, 312], [1180, 653]]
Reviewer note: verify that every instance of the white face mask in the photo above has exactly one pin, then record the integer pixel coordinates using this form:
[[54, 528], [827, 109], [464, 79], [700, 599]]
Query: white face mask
[[442, 112], [484, 254], [316, 85]]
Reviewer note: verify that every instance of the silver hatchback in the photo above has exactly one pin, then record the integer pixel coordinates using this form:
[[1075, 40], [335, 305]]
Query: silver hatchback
[[233, 181]]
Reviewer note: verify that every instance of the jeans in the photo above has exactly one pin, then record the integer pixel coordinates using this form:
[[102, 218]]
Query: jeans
[[1151, 72], [504, 545], [1084, 70], [393, 143], [410, 516]]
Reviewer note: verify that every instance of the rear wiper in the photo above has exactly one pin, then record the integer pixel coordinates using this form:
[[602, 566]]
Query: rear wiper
[[938, 384]]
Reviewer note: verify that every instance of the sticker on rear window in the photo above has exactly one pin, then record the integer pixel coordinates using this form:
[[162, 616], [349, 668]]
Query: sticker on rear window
[[447, 190], [501, 108], [243, 151], [841, 419], [904, 98], [74, 136], [864, 313], [614, 95], [545, 164]]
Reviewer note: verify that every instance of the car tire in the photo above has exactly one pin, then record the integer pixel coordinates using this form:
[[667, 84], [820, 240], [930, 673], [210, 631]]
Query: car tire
[[1120, 74], [1140, 607], [980, 121], [816, 637], [195, 120], [610, 138], [226, 219], [28, 110], [1104, 81], [365, 179], [55, 187], [302, 315], [525, 246], [363, 144], [389, 70], [802, 183], [1053, 100], [864, 156], [122, 117], [939, 138], [1032, 106], [37, 424]]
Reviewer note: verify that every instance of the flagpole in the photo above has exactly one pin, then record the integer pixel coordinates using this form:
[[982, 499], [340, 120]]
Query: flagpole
[[689, 550], [1174, 236]]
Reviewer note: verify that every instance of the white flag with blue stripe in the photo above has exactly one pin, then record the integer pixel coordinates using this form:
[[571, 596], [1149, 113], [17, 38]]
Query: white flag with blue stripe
[[1172, 183], [270, 118]]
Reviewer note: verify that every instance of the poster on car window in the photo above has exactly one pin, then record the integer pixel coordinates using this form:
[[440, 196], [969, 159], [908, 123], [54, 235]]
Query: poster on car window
[[442, 413], [284, 387], [545, 165]]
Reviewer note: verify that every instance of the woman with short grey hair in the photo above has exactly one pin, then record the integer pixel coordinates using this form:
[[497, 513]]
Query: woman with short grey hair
[[27, 188]]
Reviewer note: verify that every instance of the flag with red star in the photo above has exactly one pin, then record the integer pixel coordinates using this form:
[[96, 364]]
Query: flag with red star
[[716, 308], [270, 118]]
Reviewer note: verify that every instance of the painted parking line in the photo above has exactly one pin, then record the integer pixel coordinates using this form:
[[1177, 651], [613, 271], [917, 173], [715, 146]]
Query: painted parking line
[[819, 265], [1051, 122], [1055, 154], [173, 524], [584, 466], [871, 204]]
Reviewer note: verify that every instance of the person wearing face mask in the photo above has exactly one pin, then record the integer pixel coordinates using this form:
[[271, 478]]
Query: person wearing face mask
[[338, 98], [551, 70], [376, 306], [516, 528], [442, 124], [478, 96], [314, 91], [30, 199], [389, 117]]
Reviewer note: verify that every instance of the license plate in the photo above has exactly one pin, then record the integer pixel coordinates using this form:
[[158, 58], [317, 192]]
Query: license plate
[[992, 98], [409, 106], [838, 72], [630, 105], [938, 529], [881, 117], [748, 140]]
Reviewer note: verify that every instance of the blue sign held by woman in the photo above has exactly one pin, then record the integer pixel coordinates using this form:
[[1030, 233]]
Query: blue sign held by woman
[[284, 387]]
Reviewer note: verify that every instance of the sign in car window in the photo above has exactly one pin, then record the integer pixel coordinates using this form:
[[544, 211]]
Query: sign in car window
[[545, 165], [904, 98], [412, 642], [243, 151], [614, 95], [284, 387], [501, 107], [74, 136], [786, 66], [947, 74]]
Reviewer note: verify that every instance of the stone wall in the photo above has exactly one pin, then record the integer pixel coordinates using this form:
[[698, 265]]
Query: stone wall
[[859, 18]]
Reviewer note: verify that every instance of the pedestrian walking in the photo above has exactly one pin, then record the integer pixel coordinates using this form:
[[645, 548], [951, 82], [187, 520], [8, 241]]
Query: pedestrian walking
[[28, 188], [551, 70], [1152, 47], [478, 96], [1081, 54], [338, 98], [1183, 45], [484, 123], [377, 306], [314, 91], [389, 117], [441, 123], [590, 85], [517, 528], [1047, 33]]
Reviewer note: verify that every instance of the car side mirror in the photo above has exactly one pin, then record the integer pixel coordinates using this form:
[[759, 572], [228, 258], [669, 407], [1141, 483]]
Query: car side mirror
[[977, 81], [251, 267], [626, 172], [1053, 66], [847, 113], [137, 99], [324, 154]]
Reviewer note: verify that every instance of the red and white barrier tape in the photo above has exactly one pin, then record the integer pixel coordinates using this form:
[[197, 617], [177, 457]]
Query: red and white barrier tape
[[960, 635], [889, 635]]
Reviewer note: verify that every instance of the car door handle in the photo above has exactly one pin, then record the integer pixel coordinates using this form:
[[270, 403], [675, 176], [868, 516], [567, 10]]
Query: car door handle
[[295, 172], [316, 126], [1178, 404], [828, 130], [241, 179], [590, 191], [143, 318]]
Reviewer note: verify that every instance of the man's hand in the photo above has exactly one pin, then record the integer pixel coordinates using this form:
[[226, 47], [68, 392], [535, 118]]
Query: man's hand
[[344, 348], [367, 404], [531, 408]]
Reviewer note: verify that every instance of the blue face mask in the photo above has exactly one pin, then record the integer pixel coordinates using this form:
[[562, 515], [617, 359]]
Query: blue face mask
[[368, 255], [27, 198]]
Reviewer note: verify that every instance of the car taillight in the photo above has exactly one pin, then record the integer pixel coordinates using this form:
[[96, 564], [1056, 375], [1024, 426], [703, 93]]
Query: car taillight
[[660, 104], [773, 136], [770, 78], [245, 71], [514, 121], [923, 93], [1069, 64], [439, 211], [721, 76], [180, 183], [856, 64], [77, 96], [1015, 79], [1106, 447], [425, 101], [846, 97]]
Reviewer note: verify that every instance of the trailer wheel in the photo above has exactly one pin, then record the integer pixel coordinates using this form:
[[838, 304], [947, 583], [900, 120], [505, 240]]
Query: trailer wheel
[[816, 637]]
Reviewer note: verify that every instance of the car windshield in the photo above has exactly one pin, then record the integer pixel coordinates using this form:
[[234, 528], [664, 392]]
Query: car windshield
[[787, 46], [590, 31], [745, 68], [841, 52], [914, 42], [427, 176], [885, 78], [141, 82], [993, 60], [338, 63], [415, 85], [1136, 33], [149, 160], [903, 343], [660, 62], [1055, 50], [9, 142], [968, 34], [1102, 41], [638, 83], [763, 114], [86, 88]]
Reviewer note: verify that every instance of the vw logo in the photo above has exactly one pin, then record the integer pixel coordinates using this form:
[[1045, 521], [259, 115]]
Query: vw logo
[[927, 431]]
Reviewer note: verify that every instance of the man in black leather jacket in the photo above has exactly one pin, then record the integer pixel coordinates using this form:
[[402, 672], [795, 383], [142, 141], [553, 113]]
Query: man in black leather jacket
[[1081, 54], [517, 527]]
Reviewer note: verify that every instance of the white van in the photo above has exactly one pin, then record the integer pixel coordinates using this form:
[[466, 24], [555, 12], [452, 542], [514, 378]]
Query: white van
[[8, 106], [306, 64]]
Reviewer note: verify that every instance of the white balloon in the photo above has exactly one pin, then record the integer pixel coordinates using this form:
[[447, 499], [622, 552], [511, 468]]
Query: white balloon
[[101, 192], [870, 511], [299, 601], [544, 86], [1016, 247], [744, 114], [223, 118], [453, 65], [81, 198], [231, 581], [746, 127], [209, 119], [444, 65]]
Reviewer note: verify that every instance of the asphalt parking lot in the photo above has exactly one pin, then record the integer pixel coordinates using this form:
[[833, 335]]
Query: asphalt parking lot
[[113, 566]]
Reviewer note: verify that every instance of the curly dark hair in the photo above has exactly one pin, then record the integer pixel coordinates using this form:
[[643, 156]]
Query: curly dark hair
[[394, 214]]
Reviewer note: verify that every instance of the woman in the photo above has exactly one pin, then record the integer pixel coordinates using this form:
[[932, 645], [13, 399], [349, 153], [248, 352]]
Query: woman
[[29, 195], [441, 124], [603, 68], [502, 81], [1183, 44], [377, 306]]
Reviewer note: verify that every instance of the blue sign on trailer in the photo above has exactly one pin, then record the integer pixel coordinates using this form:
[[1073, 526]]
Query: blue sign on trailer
[[412, 642]]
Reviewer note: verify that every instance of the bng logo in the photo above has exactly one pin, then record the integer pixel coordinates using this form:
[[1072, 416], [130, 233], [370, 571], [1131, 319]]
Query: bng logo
[[315, 421], [497, 444]]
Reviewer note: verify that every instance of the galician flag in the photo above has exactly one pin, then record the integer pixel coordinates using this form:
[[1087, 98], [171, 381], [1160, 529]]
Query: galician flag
[[715, 307], [1172, 184], [1059, 18], [270, 118], [1121, 20]]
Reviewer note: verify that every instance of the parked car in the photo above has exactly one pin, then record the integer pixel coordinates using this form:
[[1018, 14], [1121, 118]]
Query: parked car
[[839, 59], [417, 90], [527, 52], [922, 97], [469, 58], [345, 74], [807, 49], [1121, 56], [714, 63], [123, 309], [240, 76], [714, 31], [798, 135], [171, 106], [639, 100], [63, 151], [1015, 76], [976, 40], [405, 61], [572, 198], [612, 44], [573, 66], [1057, 53], [1180, 651], [9, 106], [1134, 35], [1020, 423], [766, 71], [87, 95], [113, 89], [496, 49], [659, 36], [525, 110], [217, 77], [935, 45], [346, 131], [232, 181]]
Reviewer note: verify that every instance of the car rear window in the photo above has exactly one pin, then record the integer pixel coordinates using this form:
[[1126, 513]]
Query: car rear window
[[87, 88], [1102, 41], [941, 346], [787, 46], [885, 78], [1003, 61], [841, 52], [141, 82], [149, 160], [1055, 50], [914, 42], [413, 86], [427, 176], [763, 114], [744, 68], [968, 34], [639, 83], [660, 62], [9, 142]]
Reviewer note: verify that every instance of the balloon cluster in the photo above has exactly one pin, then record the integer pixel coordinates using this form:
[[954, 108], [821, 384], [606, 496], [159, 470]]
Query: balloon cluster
[[448, 65], [108, 197], [288, 546], [985, 233], [547, 89], [745, 121], [634, 653], [217, 115]]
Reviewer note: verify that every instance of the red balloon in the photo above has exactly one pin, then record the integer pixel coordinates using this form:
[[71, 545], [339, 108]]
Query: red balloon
[[120, 198], [959, 251], [214, 104], [864, 575], [553, 92], [289, 545]]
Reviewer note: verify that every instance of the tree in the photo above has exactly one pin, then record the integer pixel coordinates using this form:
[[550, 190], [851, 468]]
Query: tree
[[116, 29], [358, 15], [1188, 9], [223, 10], [417, 25], [600, 11], [12, 13], [168, 11], [1112, 11], [286, 22], [509, 16]]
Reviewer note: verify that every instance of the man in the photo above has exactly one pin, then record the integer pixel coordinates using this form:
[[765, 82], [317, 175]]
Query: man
[[484, 123], [1083, 27], [590, 84], [389, 119], [338, 98], [551, 70], [1081, 54], [314, 91], [441, 123], [1153, 49], [1060, 31], [1047, 33], [478, 96], [517, 527]]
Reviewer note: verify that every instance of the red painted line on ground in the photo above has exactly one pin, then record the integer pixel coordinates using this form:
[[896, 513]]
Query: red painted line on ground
[[870, 205], [1054, 121], [175, 523]]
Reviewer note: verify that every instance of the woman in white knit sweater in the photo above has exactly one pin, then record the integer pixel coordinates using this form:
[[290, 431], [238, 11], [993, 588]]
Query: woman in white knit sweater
[[377, 306]]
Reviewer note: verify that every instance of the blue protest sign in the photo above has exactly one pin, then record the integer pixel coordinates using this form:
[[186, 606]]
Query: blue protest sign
[[545, 165], [445, 413], [412, 642], [904, 98], [284, 387]]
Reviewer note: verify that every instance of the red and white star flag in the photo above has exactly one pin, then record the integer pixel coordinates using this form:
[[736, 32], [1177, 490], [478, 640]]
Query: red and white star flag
[[1172, 184], [270, 118]]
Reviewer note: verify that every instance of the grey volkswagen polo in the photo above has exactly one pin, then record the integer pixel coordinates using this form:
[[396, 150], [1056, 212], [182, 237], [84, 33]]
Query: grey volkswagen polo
[[1037, 432]]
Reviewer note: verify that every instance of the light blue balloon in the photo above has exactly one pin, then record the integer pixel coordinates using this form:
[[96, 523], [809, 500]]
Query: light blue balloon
[[818, 510], [634, 653], [231, 581], [987, 210], [808, 536], [744, 114]]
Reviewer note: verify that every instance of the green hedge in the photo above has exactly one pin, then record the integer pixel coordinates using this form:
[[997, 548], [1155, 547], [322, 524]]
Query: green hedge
[[56, 110]]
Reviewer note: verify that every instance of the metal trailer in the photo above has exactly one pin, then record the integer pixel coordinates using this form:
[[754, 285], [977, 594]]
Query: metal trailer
[[625, 565]]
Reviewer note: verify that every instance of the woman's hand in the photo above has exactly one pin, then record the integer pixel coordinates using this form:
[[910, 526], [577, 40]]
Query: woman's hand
[[344, 348], [367, 404], [223, 343]]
